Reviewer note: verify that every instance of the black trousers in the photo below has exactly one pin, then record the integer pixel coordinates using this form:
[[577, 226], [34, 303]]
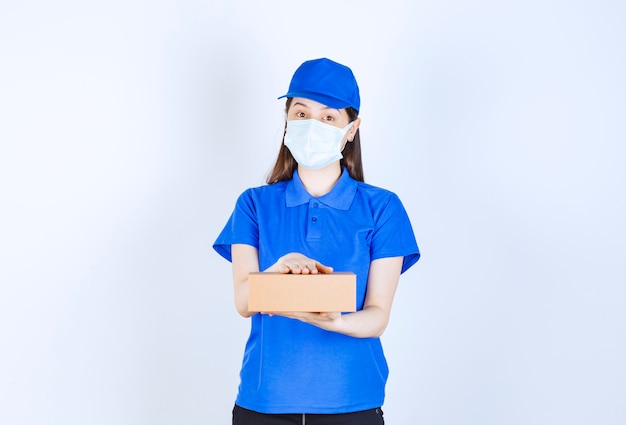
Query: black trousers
[[243, 416]]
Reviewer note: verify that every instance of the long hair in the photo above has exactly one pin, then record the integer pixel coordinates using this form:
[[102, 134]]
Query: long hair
[[285, 163]]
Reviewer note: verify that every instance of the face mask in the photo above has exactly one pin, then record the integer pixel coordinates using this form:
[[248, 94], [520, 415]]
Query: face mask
[[313, 144]]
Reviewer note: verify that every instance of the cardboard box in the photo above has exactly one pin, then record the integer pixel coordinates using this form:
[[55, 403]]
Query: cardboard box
[[322, 292]]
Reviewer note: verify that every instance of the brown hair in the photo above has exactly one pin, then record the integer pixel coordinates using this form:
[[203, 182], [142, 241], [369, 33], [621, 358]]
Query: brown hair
[[285, 164]]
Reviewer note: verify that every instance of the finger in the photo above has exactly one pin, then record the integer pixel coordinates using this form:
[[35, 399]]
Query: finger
[[324, 269], [309, 269], [293, 267]]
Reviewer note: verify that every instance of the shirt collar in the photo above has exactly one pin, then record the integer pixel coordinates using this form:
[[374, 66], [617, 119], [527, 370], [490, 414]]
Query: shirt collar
[[340, 196]]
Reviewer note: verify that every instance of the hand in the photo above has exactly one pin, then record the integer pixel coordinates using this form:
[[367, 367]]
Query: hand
[[297, 263], [324, 320]]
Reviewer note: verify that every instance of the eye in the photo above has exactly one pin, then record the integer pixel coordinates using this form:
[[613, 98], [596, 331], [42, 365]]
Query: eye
[[329, 118], [300, 114]]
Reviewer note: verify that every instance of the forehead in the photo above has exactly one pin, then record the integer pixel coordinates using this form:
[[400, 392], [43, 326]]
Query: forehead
[[312, 106], [308, 103]]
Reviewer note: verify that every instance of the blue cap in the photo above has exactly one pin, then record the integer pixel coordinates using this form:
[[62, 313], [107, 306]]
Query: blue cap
[[326, 82]]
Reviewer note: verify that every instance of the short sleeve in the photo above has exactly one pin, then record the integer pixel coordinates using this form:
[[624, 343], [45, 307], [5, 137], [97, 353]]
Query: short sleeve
[[393, 235], [242, 227]]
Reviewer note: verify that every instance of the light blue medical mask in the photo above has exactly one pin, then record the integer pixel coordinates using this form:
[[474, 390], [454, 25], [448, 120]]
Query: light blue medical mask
[[313, 144]]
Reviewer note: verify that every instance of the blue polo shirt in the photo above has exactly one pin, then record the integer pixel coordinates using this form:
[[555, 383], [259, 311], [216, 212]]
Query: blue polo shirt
[[290, 366]]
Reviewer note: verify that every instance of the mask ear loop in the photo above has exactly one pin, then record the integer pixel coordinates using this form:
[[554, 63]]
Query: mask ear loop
[[346, 129]]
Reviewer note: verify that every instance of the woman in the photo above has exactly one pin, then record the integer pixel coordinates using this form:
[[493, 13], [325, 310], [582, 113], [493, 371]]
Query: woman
[[317, 215]]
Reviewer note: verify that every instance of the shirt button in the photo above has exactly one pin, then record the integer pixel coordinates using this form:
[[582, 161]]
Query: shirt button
[[315, 205], [314, 219]]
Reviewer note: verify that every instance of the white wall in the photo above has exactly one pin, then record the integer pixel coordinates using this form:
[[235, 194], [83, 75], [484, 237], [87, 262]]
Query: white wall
[[128, 129]]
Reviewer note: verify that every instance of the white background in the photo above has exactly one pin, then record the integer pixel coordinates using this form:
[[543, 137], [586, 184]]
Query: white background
[[128, 129]]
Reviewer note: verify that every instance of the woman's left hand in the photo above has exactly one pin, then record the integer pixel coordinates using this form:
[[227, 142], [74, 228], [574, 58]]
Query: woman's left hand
[[323, 320]]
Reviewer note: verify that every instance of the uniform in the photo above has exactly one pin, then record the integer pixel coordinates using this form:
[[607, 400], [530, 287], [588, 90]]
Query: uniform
[[294, 367]]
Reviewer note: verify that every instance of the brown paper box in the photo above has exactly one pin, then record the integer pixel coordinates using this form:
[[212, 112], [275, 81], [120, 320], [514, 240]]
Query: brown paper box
[[322, 292]]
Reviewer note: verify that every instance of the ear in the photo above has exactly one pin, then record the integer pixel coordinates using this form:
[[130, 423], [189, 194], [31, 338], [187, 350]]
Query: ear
[[352, 131]]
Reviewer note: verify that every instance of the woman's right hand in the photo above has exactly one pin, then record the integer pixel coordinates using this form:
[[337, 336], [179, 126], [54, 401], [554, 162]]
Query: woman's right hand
[[297, 263]]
